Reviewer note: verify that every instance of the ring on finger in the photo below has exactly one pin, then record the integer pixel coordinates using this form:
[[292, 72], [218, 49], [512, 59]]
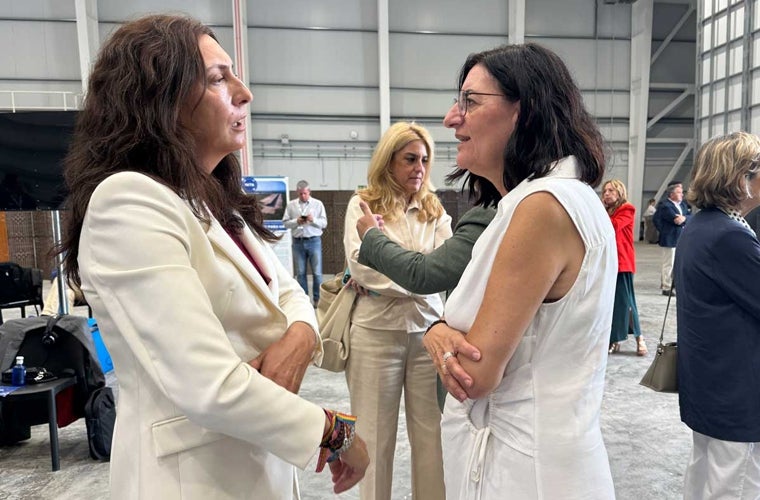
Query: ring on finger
[[447, 355]]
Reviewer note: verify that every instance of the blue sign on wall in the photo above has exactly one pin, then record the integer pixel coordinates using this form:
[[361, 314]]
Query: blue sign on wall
[[272, 193]]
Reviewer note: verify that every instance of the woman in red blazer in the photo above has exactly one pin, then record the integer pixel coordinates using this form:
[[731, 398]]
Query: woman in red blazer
[[625, 315]]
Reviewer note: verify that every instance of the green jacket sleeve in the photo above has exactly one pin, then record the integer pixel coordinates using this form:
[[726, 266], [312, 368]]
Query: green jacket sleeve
[[438, 271]]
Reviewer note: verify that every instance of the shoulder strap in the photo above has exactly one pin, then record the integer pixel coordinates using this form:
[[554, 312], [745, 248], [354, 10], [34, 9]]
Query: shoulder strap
[[662, 332]]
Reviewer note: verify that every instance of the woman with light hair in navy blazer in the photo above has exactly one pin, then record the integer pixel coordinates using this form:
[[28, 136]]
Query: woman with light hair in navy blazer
[[717, 276]]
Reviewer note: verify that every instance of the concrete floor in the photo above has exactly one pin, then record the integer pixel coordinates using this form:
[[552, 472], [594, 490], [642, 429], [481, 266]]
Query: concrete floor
[[647, 444]]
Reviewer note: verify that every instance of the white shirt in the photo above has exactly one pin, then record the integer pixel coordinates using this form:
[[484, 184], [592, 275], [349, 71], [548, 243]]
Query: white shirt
[[296, 208]]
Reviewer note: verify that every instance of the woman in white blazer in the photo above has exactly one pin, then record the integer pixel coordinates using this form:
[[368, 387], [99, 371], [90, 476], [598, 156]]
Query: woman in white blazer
[[209, 334]]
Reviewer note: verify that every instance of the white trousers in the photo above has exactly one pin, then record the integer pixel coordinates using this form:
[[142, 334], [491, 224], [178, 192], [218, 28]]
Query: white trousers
[[666, 278], [382, 363], [722, 470]]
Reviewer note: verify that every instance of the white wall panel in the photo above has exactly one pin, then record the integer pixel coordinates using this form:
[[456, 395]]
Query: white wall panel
[[38, 50], [704, 131], [323, 173], [736, 18], [267, 128], [755, 96], [449, 16], [718, 125], [706, 68], [604, 104], [212, 12], [313, 57], [324, 101], [433, 61], [704, 106], [37, 9], [565, 18], [734, 122], [583, 57], [755, 121], [707, 36], [721, 30], [337, 173], [346, 14], [613, 20], [719, 98], [613, 131], [736, 59], [755, 51], [735, 93], [416, 104]]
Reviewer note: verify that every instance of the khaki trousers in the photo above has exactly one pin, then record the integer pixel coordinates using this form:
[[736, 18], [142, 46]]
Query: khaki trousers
[[382, 363]]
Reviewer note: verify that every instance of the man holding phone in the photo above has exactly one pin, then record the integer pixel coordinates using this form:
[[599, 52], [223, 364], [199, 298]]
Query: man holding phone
[[306, 218]]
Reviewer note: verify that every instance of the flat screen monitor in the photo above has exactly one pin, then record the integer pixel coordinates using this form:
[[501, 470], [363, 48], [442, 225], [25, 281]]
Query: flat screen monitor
[[32, 147]]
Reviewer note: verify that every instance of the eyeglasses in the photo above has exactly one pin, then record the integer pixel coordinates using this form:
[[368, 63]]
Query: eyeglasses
[[463, 98]]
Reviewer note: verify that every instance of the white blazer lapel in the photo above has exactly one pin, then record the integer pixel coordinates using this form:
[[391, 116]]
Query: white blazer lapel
[[219, 238]]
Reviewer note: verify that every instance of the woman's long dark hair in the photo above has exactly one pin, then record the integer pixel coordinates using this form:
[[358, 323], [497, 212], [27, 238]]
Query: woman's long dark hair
[[145, 75], [553, 122]]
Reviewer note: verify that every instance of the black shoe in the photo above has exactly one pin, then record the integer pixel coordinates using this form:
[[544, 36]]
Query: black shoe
[[669, 292]]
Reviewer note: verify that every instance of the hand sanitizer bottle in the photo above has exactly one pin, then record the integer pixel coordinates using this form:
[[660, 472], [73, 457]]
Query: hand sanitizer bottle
[[18, 374]]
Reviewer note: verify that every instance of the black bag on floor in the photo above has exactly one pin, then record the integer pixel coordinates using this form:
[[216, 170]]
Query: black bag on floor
[[100, 416]]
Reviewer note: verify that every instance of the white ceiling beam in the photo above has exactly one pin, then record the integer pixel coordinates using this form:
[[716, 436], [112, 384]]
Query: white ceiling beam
[[516, 21], [383, 49], [88, 39], [240, 39], [641, 50]]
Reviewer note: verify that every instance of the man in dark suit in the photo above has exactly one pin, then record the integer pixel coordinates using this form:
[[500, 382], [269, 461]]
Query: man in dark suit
[[670, 218]]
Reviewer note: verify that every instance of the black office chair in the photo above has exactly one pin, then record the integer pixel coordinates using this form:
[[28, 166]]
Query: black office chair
[[19, 287]]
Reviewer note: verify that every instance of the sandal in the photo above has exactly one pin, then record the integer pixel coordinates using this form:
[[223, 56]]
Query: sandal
[[641, 347], [614, 347]]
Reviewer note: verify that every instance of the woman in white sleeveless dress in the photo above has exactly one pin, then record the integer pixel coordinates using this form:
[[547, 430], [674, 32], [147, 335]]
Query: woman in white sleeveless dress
[[535, 302]]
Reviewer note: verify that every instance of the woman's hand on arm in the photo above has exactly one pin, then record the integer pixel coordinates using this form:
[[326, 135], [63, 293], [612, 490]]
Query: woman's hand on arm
[[441, 339], [285, 361]]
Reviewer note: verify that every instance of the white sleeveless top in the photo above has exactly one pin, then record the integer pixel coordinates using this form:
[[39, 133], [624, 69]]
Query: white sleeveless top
[[537, 435]]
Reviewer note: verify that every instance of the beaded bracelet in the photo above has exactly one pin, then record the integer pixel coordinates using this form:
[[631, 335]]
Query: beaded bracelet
[[338, 439]]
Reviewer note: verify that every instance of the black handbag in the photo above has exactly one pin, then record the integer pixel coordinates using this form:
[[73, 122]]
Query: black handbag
[[662, 375], [100, 418]]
